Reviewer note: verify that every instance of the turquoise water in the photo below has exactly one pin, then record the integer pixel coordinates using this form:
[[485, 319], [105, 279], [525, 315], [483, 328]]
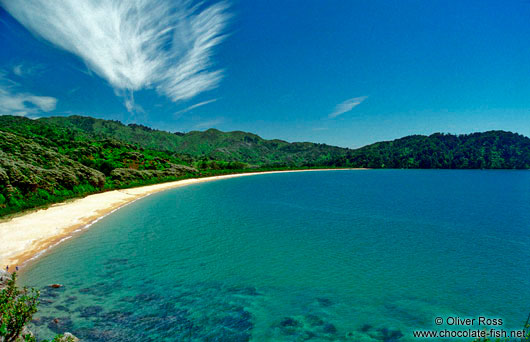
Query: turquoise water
[[320, 256]]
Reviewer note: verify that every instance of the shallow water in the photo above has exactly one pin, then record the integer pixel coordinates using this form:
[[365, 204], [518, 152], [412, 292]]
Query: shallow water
[[321, 256]]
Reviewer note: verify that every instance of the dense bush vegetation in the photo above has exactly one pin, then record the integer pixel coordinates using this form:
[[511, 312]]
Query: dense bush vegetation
[[42, 163], [488, 150]]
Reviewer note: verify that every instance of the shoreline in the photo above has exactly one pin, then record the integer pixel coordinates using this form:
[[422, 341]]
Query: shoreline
[[30, 235]]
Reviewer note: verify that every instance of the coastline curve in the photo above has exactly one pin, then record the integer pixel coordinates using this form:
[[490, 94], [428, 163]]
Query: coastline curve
[[27, 237]]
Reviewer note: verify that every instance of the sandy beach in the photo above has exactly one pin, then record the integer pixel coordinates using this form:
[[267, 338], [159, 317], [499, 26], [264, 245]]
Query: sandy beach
[[27, 236]]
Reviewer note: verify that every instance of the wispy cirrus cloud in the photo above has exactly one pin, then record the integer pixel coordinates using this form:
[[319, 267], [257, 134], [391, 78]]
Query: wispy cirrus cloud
[[346, 106], [24, 69], [200, 104], [165, 45]]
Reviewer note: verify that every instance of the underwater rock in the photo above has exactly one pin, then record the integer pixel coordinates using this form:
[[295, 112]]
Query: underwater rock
[[62, 308], [50, 292], [90, 311], [310, 327], [46, 302], [102, 335], [306, 335], [116, 316], [314, 320], [40, 320], [325, 302], [365, 328], [101, 289], [357, 336], [406, 313], [187, 312], [387, 335], [329, 328], [289, 322], [289, 326], [70, 299], [60, 325]]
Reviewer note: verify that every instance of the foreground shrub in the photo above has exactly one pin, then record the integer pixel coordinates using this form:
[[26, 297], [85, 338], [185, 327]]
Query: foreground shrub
[[17, 308]]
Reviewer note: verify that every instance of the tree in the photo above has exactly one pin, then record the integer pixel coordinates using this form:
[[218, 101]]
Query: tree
[[16, 310]]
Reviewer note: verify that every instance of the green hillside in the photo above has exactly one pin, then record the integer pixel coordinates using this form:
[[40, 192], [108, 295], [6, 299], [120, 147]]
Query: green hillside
[[49, 160], [42, 163], [229, 146], [488, 150], [493, 149]]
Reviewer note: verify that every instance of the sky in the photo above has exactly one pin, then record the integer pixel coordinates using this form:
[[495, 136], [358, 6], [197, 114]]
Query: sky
[[340, 72]]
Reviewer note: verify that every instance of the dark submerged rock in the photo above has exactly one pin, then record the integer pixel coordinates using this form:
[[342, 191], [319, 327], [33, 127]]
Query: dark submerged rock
[[325, 302], [289, 322], [329, 328], [70, 299], [365, 328], [60, 324], [387, 335], [62, 308], [90, 311], [314, 320]]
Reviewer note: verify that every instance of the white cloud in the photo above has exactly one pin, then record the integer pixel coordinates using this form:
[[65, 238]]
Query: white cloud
[[165, 45], [200, 104], [14, 102], [346, 106], [25, 69], [5, 81], [17, 70], [45, 103], [22, 104]]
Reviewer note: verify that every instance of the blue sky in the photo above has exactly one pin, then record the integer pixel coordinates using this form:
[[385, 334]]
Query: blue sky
[[345, 73]]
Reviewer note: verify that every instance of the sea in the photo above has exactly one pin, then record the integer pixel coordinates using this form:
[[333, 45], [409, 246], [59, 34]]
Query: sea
[[345, 255]]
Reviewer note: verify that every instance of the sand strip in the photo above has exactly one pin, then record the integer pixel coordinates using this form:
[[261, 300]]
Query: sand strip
[[26, 237]]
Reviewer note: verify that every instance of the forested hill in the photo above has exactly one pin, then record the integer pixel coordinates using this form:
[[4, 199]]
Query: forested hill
[[488, 150], [212, 143], [493, 149], [42, 163]]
